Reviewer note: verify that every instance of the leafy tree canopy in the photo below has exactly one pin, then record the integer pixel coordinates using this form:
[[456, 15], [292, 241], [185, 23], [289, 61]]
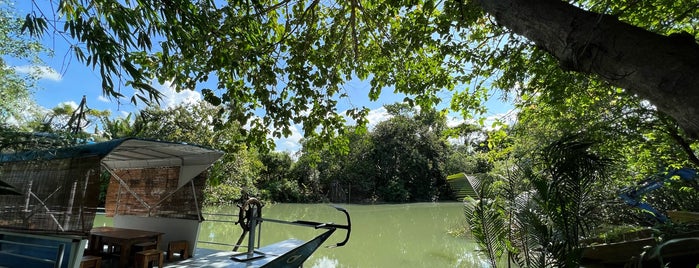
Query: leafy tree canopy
[[288, 60], [16, 105]]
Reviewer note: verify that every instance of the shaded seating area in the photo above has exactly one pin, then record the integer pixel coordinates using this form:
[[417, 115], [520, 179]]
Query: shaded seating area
[[122, 244], [155, 188]]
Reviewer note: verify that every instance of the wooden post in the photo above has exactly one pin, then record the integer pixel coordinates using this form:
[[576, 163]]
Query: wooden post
[[69, 209], [29, 194]]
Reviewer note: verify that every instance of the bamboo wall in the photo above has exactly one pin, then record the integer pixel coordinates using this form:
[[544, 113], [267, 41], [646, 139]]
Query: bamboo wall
[[58, 195], [153, 192]]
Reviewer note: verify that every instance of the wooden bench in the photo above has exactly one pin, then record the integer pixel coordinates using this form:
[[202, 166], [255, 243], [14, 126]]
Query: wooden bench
[[143, 258], [181, 247], [145, 246], [91, 262]]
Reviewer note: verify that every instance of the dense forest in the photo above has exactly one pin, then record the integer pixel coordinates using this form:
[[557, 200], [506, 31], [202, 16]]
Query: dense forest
[[403, 159]]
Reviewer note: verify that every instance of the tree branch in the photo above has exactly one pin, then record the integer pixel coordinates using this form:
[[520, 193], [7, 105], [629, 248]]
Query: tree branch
[[661, 69]]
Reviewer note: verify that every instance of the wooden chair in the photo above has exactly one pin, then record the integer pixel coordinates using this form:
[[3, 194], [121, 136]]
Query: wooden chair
[[143, 258], [181, 247], [110, 250], [91, 262], [110, 247], [144, 246]]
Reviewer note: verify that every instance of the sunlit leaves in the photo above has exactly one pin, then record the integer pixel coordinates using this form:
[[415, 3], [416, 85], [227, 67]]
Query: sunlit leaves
[[662, 16], [285, 60], [17, 108], [486, 222]]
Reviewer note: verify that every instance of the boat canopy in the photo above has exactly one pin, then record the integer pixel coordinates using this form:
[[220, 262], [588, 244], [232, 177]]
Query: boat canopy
[[60, 188]]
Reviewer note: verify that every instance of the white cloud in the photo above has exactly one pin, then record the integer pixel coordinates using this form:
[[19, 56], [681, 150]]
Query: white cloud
[[41, 72], [172, 98], [453, 121], [102, 98], [377, 116], [508, 118], [374, 117], [72, 104], [291, 143]]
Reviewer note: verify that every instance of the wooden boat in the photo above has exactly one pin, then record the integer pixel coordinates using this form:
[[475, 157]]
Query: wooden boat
[[616, 253], [646, 249], [683, 216], [287, 253], [154, 186]]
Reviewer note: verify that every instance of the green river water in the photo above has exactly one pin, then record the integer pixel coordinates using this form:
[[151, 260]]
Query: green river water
[[400, 235]]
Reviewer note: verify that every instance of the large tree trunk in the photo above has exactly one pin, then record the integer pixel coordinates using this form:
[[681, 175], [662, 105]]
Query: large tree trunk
[[661, 69]]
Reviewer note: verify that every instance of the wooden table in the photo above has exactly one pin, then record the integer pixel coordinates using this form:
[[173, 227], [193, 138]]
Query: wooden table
[[125, 238]]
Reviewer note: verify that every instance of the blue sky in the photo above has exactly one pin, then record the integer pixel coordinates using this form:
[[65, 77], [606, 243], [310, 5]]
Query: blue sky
[[70, 85], [65, 80]]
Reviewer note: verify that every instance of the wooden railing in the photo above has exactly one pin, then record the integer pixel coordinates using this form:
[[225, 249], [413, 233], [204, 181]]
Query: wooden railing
[[235, 219]]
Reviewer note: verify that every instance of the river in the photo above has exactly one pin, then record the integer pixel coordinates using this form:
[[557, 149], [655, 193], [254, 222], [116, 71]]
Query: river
[[400, 235]]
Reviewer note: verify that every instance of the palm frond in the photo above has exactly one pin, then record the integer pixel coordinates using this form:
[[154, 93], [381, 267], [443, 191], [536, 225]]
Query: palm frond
[[558, 209], [486, 222]]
